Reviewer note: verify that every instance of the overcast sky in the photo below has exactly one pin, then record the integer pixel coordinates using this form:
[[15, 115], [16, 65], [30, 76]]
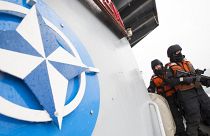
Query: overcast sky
[[183, 22]]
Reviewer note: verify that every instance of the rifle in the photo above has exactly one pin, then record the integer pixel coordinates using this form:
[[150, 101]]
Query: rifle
[[198, 74]]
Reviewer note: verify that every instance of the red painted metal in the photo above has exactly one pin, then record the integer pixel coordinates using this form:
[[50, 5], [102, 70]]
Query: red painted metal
[[108, 7]]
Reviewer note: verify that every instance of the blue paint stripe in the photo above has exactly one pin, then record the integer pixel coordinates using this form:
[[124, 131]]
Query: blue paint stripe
[[12, 40], [39, 83], [19, 2], [9, 22], [48, 36], [64, 45], [51, 40], [68, 71]]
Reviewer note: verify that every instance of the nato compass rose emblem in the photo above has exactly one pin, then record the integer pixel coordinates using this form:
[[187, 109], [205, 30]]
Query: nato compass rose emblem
[[40, 55]]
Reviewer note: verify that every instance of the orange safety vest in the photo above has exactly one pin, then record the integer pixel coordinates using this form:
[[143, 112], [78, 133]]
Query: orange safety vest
[[162, 87], [182, 66]]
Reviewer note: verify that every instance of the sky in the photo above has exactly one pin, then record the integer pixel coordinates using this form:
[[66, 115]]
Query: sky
[[183, 22]]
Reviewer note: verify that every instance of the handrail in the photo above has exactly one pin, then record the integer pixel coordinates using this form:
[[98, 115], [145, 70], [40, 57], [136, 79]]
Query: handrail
[[159, 117]]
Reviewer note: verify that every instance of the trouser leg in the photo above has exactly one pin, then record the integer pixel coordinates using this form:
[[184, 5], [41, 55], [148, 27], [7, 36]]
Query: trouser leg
[[205, 105], [178, 118], [190, 104], [201, 133]]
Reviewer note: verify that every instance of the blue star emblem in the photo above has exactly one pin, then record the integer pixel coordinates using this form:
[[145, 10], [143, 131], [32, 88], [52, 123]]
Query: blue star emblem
[[42, 59]]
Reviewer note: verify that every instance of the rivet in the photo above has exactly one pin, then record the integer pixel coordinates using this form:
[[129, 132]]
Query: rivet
[[62, 25], [91, 112]]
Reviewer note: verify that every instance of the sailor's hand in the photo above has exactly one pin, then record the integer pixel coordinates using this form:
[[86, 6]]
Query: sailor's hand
[[205, 82]]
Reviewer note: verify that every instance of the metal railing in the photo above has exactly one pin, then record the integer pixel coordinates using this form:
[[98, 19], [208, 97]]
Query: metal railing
[[162, 130]]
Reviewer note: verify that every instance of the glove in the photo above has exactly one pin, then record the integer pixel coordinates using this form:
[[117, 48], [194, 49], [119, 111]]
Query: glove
[[188, 80], [208, 83], [205, 82]]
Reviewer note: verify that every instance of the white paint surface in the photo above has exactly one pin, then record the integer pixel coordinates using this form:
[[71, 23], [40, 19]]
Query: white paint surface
[[59, 86], [31, 31], [18, 64], [62, 56], [12, 8], [21, 113], [124, 110]]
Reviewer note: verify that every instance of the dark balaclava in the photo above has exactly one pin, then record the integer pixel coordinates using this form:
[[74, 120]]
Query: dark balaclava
[[158, 72], [171, 52]]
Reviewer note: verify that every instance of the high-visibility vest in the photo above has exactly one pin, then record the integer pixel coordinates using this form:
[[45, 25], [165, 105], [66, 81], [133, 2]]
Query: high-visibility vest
[[182, 66], [162, 87]]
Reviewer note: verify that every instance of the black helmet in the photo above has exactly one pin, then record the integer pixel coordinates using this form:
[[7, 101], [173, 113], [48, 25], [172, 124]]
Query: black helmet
[[155, 63], [172, 49]]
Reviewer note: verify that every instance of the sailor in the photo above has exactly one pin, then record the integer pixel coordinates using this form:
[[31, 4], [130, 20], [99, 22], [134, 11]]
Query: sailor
[[190, 93], [160, 86]]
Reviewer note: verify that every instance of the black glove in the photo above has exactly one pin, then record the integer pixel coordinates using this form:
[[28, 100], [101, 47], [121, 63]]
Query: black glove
[[188, 80], [204, 81], [208, 83]]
